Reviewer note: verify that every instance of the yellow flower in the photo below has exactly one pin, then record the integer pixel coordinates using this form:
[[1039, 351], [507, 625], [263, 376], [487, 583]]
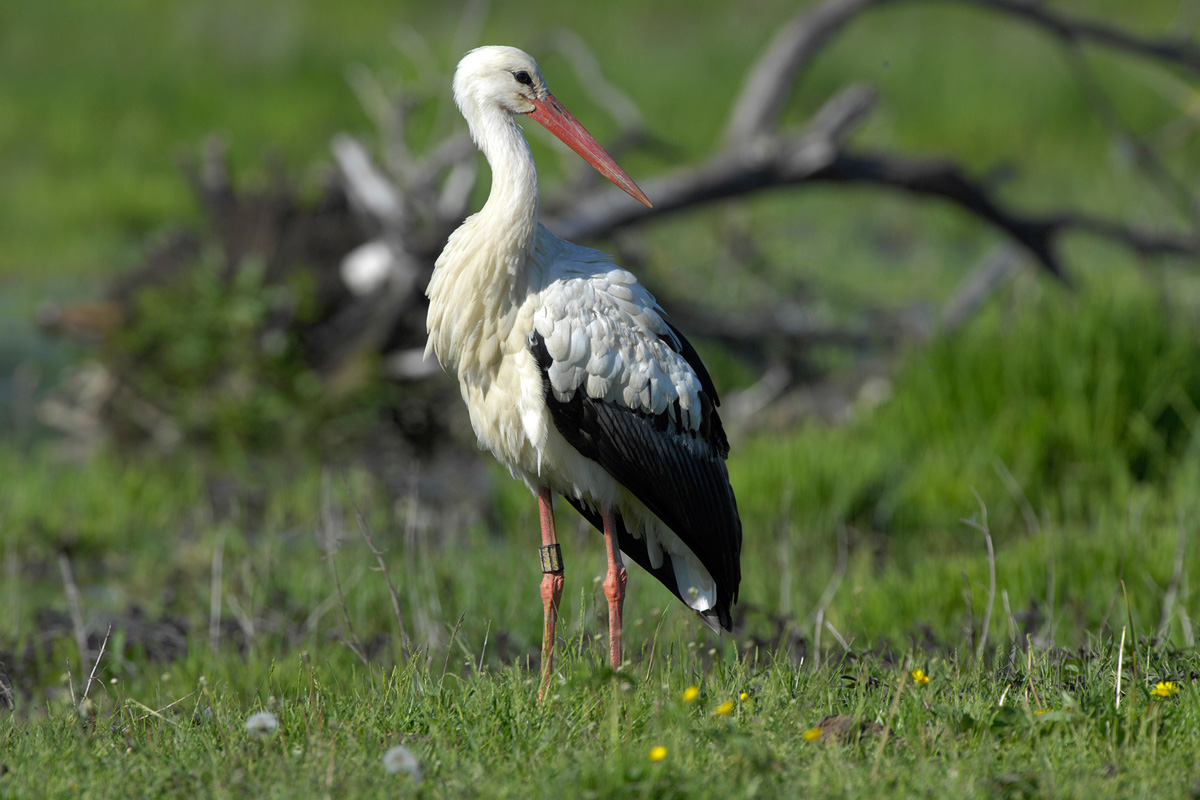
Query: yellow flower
[[1165, 689], [919, 677], [658, 753], [812, 734], [745, 696], [725, 709], [690, 694]]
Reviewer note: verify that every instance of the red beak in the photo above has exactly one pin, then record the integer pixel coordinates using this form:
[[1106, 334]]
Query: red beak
[[556, 119]]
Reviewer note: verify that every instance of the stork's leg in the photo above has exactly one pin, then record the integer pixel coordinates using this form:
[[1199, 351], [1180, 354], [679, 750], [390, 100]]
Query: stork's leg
[[552, 584], [614, 587]]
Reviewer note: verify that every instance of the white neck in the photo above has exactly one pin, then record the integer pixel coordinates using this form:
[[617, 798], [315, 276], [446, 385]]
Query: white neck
[[510, 213], [481, 275]]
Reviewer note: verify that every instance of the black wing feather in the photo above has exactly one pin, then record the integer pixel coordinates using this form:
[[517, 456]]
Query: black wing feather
[[679, 474]]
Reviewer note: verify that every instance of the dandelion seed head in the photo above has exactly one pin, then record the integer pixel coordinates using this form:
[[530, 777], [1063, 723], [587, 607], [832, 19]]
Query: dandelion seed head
[[658, 753], [400, 759], [262, 724], [690, 694], [87, 709]]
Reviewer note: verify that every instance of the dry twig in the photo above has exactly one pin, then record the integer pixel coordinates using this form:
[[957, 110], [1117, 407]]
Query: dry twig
[[96, 664], [1172, 592], [215, 588], [75, 606], [982, 526], [835, 580], [365, 530], [329, 540]]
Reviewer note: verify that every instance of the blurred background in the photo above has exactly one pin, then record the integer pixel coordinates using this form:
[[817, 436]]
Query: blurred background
[[971, 297]]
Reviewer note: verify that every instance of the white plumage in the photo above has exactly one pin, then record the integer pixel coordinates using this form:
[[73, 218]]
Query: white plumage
[[568, 368], [600, 341]]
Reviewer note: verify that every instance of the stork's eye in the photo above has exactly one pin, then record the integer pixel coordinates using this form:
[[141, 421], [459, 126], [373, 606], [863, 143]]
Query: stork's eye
[[523, 78]]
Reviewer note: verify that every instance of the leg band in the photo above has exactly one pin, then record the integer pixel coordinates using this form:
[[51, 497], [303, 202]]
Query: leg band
[[551, 555]]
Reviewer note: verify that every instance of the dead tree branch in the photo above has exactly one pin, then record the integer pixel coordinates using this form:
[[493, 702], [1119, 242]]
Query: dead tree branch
[[815, 158], [768, 85], [775, 161], [406, 201], [1076, 30], [756, 156], [1143, 156], [1038, 233], [756, 153], [946, 180]]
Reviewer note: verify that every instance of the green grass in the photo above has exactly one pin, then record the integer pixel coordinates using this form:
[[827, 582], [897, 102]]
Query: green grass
[[1094, 558], [1044, 727], [1101, 388]]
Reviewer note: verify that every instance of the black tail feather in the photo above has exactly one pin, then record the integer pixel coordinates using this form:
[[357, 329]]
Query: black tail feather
[[635, 548]]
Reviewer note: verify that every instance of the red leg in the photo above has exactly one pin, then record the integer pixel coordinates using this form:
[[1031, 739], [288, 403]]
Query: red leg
[[552, 585], [614, 587]]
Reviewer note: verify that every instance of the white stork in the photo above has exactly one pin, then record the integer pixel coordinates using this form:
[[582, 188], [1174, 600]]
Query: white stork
[[572, 376]]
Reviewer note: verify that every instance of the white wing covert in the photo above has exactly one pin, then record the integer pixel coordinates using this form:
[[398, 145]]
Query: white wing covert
[[604, 333]]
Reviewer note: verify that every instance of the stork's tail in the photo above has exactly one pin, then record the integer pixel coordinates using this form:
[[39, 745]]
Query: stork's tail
[[718, 616]]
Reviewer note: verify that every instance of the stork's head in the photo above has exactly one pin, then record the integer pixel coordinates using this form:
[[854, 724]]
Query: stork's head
[[508, 79], [499, 76]]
